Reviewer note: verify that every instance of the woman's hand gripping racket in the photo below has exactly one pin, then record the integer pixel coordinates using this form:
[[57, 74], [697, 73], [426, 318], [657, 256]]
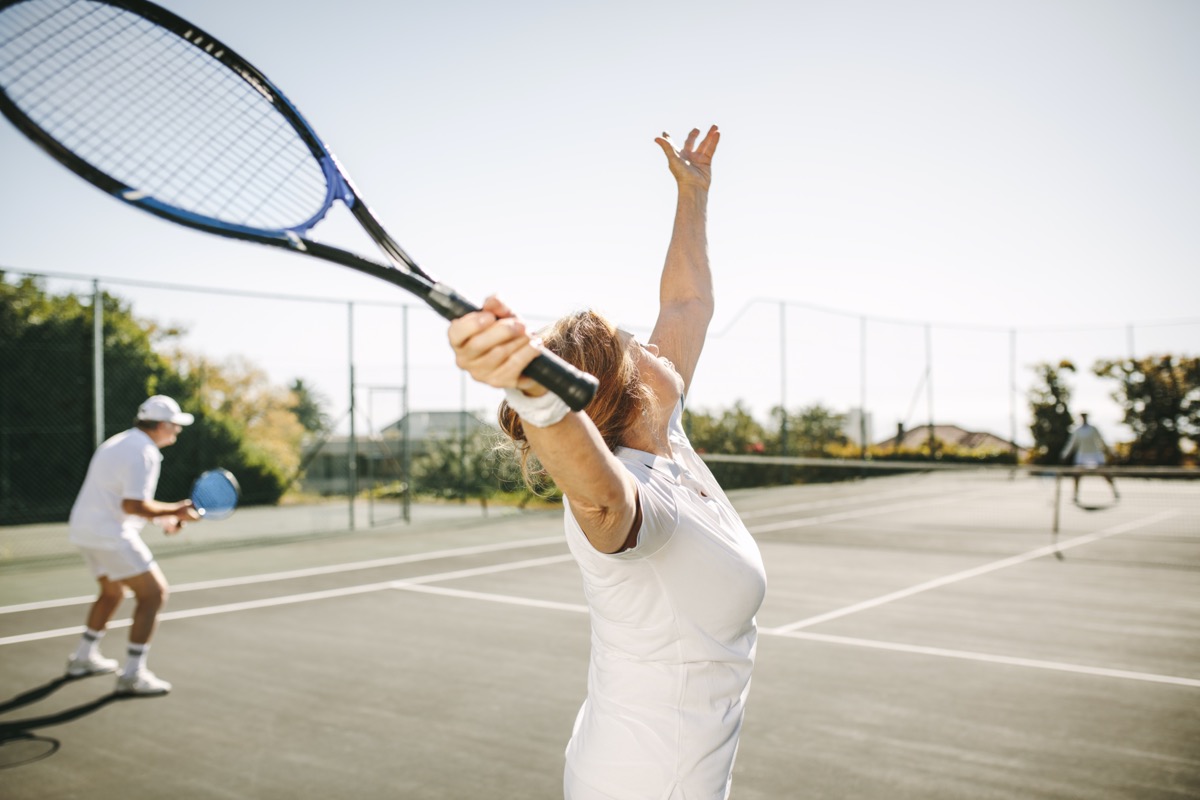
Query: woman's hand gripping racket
[[215, 494], [159, 114]]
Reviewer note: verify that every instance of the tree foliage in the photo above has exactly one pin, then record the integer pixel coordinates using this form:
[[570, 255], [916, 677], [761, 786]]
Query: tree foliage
[[1049, 405], [482, 467], [238, 391], [1160, 397], [47, 386], [731, 432], [47, 425], [812, 431], [310, 406]]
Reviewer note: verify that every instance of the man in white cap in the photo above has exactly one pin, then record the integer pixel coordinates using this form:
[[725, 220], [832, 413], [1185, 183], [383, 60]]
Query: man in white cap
[[113, 505]]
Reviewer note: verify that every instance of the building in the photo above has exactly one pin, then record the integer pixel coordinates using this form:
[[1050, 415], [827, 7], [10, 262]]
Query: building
[[855, 423], [381, 458], [952, 435]]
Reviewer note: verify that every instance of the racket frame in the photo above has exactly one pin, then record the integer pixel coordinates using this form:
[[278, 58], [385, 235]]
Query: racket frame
[[229, 480], [575, 386]]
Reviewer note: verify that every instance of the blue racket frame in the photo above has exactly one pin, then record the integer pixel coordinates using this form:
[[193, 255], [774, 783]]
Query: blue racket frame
[[215, 494], [574, 386]]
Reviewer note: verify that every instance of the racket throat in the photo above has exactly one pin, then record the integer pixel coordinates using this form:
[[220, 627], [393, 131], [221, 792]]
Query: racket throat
[[449, 303]]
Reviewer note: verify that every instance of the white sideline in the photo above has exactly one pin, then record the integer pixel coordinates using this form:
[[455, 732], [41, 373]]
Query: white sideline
[[331, 569], [292, 599], [942, 652], [946, 580], [419, 584]]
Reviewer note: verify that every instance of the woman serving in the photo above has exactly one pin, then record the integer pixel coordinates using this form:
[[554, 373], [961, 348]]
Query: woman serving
[[671, 575]]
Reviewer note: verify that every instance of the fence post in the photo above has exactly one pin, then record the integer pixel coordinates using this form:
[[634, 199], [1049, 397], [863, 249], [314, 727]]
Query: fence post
[[929, 388], [352, 455], [862, 389], [98, 362], [783, 416]]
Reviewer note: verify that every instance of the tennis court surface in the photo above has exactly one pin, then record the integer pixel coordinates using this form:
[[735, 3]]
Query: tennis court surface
[[920, 639]]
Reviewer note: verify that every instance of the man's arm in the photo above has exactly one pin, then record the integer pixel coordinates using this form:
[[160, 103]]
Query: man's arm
[[181, 510], [1071, 442]]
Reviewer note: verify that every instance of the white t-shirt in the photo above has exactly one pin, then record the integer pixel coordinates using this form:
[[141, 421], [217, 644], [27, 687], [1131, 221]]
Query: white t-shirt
[[1088, 446], [673, 638], [125, 467]]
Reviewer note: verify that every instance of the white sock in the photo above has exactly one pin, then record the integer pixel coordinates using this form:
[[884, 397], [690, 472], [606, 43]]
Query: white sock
[[137, 659], [89, 645]]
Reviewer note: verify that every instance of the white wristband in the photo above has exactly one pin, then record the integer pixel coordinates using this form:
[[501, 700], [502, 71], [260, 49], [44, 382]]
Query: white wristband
[[540, 412]]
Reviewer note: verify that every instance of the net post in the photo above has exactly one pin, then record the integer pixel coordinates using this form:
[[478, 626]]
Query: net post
[[1057, 505], [352, 449], [98, 362]]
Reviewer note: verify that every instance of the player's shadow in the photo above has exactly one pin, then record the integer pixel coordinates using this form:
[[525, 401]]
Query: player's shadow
[[1082, 506], [19, 744]]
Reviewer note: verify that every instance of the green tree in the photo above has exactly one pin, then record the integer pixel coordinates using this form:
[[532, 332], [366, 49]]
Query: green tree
[[47, 427], [452, 469], [310, 406], [812, 431], [1049, 404], [1160, 396], [731, 432]]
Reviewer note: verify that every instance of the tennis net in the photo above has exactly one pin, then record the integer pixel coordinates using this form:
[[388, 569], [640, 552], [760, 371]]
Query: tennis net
[[1147, 515]]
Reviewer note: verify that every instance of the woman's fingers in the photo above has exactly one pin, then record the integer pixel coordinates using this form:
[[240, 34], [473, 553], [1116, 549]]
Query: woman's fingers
[[493, 346]]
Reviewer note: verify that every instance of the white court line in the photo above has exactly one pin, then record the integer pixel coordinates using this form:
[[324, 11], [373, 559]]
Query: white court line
[[946, 580], [306, 597], [491, 598], [991, 659], [939, 652], [332, 569], [863, 512], [417, 585], [831, 503]]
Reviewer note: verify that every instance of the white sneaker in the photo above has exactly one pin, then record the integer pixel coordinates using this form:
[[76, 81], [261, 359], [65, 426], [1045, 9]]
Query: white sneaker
[[144, 683], [94, 664]]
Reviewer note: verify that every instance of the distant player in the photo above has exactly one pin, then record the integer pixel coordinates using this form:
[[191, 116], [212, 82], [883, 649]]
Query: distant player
[[113, 505], [1090, 451]]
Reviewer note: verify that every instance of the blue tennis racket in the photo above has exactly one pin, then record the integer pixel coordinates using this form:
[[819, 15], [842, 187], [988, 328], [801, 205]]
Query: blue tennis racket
[[215, 494], [159, 114]]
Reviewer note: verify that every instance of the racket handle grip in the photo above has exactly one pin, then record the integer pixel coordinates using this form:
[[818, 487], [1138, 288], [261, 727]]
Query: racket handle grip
[[574, 386]]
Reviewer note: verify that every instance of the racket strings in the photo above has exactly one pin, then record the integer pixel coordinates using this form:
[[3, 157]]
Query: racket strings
[[158, 114], [215, 494], [104, 111]]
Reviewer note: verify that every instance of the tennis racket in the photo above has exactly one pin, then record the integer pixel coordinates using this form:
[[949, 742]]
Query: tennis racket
[[159, 114], [215, 494]]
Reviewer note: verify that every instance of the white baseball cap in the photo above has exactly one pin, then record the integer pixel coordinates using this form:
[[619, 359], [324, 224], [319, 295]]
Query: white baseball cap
[[161, 408]]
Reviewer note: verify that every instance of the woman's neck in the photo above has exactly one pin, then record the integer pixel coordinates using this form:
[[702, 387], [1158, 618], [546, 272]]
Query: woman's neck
[[651, 437]]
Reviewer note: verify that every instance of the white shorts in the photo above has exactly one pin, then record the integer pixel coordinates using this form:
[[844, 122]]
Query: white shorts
[[131, 557], [1090, 460]]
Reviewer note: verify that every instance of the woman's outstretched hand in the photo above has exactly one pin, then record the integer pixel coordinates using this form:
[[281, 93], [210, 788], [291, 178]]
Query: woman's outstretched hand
[[691, 165]]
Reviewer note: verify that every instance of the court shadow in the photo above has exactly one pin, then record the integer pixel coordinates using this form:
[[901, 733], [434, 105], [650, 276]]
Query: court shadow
[[19, 744], [1094, 506], [33, 695], [16, 728]]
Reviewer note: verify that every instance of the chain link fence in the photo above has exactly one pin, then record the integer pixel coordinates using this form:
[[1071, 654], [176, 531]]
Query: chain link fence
[[393, 396]]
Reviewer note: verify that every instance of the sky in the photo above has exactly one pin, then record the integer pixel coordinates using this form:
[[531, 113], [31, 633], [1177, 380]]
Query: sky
[[913, 203]]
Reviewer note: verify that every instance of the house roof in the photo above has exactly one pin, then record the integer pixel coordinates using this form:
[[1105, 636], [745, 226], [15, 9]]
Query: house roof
[[915, 438], [435, 425]]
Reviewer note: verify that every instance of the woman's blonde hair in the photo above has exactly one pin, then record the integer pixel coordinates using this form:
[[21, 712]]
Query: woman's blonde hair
[[593, 344]]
